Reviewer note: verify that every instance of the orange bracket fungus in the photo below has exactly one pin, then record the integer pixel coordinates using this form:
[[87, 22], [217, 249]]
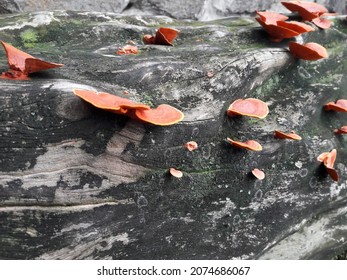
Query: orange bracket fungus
[[341, 130], [162, 115], [328, 160], [309, 11], [281, 135], [176, 173], [191, 145], [163, 36], [250, 107], [251, 145], [278, 29], [339, 106], [259, 174], [308, 51], [128, 49], [22, 64]]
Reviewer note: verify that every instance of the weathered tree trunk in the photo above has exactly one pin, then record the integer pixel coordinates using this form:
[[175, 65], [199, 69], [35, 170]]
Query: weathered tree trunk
[[77, 182]]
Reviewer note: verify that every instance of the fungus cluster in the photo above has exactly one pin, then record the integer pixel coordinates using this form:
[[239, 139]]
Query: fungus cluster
[[22, 64], [310, 11], [163, 115], [278, 28]]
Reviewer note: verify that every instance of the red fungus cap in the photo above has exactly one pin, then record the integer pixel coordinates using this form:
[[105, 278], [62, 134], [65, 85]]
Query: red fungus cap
[[277, 33], [162, 115], [281, 135], [339, 106], [341, 130], [128, 49], [191, 145], [249, 145], [163, 36], [21, 64], [271, 17], [107, 101], [308, 51], [250, 107], [323, 23], [296, 26], [328, 159], [176, 173], [259, 174], [307, 10]]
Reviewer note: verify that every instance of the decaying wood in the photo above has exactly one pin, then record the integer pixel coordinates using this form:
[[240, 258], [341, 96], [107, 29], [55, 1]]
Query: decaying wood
[[80, 183]]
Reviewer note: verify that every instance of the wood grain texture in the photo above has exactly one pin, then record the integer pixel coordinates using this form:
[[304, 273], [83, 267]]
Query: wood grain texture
[[80, 183]]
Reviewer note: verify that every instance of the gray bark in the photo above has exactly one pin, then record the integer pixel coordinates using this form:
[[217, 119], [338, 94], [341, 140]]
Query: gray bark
[[80, 183]]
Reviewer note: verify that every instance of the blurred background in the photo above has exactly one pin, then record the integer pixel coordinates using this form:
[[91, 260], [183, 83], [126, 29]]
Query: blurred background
[[180, 9]]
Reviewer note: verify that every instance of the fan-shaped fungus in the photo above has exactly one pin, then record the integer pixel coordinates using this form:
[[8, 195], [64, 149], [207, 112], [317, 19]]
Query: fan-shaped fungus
[[163, 36], [341, 130], [277, 33], [250, 107], [278, 29], [176, 173], [296, 26], [309, 11], [22, 64], [339, 106], [271, 17], [308, 51], [110, 102], [128, 49], [162, 115], [259, 174], [191, 145], [249, 145], [282, 135], [328, 159]]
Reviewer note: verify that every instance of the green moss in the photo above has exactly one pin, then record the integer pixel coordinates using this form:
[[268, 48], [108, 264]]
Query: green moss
[[29, 37]]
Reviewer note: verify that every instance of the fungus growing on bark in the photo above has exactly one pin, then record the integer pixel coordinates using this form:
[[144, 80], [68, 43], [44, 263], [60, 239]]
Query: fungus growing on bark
[[251, 145], [107, 101], [278, 29], [328, 160], [341, 130], [163, 36], [250, 107], [308, 51], [339, 106], [128, 49], [22, 64], [281, 135], [259, 174], [271, 17], [176, 173], [162, 115], [191, 145], [296, 26], [309, 11]]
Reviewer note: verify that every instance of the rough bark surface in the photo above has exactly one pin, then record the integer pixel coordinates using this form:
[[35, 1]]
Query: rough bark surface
[[80, 183]]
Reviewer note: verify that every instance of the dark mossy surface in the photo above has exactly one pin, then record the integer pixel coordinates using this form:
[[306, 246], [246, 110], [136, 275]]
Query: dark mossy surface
[[90, 184]]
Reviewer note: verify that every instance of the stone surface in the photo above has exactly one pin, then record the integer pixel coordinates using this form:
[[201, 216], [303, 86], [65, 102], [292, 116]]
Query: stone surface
[[180, 9], [80, 183]]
